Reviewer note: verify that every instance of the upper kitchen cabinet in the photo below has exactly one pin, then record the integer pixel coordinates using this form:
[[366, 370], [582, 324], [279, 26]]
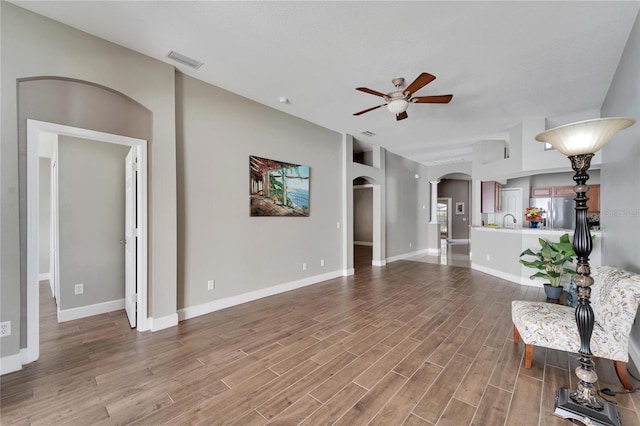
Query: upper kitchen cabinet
[[593, 203], [491, 201], [564, 191], [544, 192]]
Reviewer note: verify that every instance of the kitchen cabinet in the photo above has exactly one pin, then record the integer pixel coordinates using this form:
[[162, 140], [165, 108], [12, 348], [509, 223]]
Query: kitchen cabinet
[[541, 192], [593, 203], [564, 191], [491, 201]]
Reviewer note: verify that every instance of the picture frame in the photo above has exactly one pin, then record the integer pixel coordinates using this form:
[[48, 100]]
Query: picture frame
[[278, 188], [460, 208]]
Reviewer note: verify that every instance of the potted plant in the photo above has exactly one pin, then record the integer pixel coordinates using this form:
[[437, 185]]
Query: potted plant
[[550, 262]]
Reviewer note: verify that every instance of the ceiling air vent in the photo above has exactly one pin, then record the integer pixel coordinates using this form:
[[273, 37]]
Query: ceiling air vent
[[368, 133], [185, 60]]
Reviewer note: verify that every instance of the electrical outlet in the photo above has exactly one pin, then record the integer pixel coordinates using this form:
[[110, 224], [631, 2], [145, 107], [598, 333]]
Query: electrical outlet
[[211, 284], [304, 266], [321, 262], [5, 328], [338, 225], [410, 245], [488, 258], [78, 289]]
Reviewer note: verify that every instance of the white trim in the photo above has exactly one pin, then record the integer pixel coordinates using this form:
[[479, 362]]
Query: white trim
[[90, 310], [434, 252], [157, 324], [347, 272], [10, 363], [34, 129], [365, 186], [459, 240], [363, 243], [43, 277], [379, 262], [24, 356], [216, 305], [634, 352], [407, 255], [505, 276]]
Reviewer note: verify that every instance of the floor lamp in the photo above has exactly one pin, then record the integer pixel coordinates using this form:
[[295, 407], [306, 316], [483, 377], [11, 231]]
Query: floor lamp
[[580, 141]]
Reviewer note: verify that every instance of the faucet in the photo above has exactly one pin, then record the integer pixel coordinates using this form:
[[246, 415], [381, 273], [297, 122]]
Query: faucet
[[505, 216]]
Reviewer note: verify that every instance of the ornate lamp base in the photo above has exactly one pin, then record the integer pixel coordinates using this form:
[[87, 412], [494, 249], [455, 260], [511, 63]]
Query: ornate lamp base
[[568, 409]]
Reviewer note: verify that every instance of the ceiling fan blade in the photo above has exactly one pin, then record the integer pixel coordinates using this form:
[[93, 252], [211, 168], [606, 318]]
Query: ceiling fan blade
[[401, 116], [370, 91], [422, 80], [436, 99], [369, 109]]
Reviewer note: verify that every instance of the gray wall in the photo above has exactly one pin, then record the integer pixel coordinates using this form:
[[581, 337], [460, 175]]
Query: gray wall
[[44, 206], [91, 189], [363, 215], [620, 173], [34, 46], [217, 131], [407, 205], [458, 191]]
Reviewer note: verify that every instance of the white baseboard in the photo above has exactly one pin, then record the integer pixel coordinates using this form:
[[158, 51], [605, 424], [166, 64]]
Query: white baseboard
[[433, 252], [505, 276], [42, 277], [11, 363], [157, 324], [378, 262], [347, 272], [90, 310], [216, 305], [408, 255], [363, 243]]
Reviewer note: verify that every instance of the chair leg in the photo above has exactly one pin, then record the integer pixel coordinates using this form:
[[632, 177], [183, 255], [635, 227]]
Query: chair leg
[[528, 355], [516, 335], [623, 374]]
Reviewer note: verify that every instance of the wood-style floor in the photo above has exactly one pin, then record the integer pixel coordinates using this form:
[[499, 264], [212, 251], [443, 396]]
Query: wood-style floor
[[411, 343]]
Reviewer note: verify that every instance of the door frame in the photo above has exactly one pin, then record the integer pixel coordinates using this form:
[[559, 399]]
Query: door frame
[[448, 202], [34, 130]]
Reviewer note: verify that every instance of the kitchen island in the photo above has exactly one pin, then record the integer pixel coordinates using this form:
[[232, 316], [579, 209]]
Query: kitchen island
[[496, 251]]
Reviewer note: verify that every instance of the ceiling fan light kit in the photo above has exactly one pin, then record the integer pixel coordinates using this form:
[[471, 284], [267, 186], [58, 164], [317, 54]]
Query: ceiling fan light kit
[[397, 106], [398, 101]]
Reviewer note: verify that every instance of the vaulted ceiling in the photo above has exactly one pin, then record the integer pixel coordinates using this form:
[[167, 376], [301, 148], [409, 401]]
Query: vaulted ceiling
[[502, 61]]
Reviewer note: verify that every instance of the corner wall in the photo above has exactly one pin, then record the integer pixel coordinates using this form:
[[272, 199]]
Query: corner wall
[[407, 207], [620, 172], [32, 47]]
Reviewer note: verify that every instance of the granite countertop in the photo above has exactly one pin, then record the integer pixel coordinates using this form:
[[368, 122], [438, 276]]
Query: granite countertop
[[528, 230]]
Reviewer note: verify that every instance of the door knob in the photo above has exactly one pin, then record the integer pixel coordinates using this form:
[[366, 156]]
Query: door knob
[[123, 241]]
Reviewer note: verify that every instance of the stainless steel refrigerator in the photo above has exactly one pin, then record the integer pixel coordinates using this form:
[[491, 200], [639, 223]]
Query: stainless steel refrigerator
[[561, 212]]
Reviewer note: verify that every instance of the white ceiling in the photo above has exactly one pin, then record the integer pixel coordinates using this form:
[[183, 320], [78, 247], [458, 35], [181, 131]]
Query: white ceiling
[[502, 61]]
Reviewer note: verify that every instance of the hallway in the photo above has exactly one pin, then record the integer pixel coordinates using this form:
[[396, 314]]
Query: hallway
[[451, 254]]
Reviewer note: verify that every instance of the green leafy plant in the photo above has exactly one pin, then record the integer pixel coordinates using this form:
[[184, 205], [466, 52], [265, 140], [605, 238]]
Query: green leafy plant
[[550, 259]]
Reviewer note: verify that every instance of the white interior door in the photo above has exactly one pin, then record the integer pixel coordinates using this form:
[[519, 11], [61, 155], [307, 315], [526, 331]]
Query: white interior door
[[130, 242]]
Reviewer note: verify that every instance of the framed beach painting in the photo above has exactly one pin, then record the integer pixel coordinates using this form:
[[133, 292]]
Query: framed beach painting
[[277, 188]]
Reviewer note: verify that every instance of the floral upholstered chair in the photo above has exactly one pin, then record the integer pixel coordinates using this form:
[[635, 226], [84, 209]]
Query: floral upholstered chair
[[615, 296]]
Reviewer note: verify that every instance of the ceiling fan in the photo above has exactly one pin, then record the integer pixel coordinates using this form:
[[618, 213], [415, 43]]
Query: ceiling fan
[[397, 101]]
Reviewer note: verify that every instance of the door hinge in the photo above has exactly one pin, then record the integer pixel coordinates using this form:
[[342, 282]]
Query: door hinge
[[137, 232]]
